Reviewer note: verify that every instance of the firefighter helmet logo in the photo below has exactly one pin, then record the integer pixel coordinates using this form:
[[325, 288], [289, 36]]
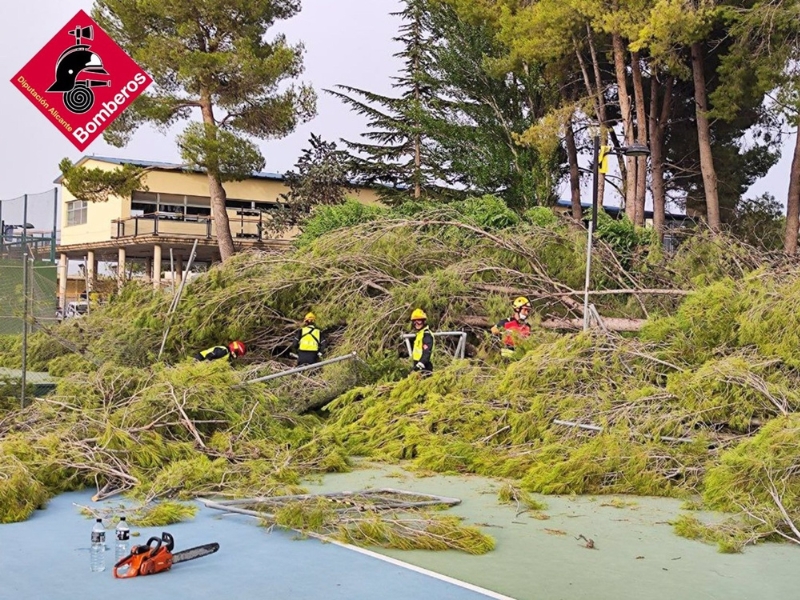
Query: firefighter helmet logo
[[75, 60], [81, 80]]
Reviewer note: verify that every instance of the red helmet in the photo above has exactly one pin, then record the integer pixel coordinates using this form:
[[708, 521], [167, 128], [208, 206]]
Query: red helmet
[[237, 348]]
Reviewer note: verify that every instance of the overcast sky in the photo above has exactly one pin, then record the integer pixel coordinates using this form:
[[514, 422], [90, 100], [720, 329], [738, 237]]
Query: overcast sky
[[346, 41]]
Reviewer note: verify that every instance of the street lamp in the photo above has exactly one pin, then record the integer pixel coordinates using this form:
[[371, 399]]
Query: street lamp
[[636, 150]]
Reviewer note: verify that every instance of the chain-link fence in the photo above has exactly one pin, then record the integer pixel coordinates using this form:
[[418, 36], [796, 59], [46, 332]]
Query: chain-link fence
[[28, 272]]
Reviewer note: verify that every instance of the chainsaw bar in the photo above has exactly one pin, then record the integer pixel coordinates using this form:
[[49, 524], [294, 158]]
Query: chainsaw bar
[[196, 552]]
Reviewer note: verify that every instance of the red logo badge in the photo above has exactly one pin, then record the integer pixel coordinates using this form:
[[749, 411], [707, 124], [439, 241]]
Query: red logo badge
[[81, 80]]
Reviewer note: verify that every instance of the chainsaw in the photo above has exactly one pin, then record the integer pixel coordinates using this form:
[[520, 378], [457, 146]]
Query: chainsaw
[[156, 556]]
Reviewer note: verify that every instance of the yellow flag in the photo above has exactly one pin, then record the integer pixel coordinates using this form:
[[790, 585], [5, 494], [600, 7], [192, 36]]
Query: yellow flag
[[603, 167]]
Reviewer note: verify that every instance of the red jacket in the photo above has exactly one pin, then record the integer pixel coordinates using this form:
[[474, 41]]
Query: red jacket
[[512, 326]]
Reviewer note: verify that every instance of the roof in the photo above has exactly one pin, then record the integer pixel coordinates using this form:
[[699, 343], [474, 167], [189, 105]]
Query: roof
[[615, 210], [160, 166]]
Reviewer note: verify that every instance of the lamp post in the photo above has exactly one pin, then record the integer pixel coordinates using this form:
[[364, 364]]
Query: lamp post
[[636, 149]]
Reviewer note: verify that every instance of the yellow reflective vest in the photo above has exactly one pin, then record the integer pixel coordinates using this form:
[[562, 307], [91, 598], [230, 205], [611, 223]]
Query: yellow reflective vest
[[215, 353], [309, 339], [419, 344]]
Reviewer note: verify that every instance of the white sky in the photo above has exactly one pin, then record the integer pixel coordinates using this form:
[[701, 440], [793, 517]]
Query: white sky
[[346, 41]]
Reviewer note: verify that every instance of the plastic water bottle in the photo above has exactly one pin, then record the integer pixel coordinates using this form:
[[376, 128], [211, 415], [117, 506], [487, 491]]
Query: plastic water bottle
[[97, 552], [122, 546]]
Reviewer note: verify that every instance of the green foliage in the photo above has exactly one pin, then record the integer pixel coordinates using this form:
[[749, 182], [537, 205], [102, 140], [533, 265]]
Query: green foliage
[[705, 323], [176, 432], [365, 526], [20, 492], [321, 178], [705, 377], [759, 222], [163, 513], [488, 212], [456, 117], [541, 216], [221, 153], [96, 185], [623, 236], [325, 219], [729, 536], [442, 533], [509, 493], [750, 472]]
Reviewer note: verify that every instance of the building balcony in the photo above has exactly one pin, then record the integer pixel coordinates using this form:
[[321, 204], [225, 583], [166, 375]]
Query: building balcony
[[244, 227]]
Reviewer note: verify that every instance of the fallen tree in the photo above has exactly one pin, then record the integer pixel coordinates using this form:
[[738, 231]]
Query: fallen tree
[[713, 359]]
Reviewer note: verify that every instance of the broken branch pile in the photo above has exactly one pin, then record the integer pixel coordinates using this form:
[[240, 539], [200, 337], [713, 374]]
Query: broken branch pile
[[711, 374]]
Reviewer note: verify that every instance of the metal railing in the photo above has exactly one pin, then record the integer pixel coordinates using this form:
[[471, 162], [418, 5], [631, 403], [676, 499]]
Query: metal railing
[[41, 244], [461, 347], [190, 226]]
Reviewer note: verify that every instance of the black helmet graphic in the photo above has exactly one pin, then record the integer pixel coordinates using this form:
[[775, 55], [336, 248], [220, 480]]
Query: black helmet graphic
[[71, 63], [77, 59]]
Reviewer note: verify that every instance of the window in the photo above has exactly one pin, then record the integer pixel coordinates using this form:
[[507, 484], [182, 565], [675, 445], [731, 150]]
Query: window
[[239, 203], [143, 204], [76, 212]]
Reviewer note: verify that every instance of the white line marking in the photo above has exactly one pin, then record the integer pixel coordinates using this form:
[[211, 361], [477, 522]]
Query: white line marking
[[409, 566]]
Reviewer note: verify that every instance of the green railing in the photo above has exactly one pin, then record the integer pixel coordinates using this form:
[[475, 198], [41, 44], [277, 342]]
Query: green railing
[[41, 244]]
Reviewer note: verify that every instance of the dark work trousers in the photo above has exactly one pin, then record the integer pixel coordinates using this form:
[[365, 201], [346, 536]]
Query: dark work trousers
[[306, 357]]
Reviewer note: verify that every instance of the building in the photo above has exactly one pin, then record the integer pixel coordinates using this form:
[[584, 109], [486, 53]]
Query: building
[[148, 228]]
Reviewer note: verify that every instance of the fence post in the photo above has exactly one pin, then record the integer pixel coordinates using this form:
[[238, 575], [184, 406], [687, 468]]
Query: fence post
[[55, 227], [23, 379], [86, 284], [24, 223], [177, 298]]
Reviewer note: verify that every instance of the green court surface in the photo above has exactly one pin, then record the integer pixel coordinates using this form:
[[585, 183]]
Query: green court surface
[[636, 554]]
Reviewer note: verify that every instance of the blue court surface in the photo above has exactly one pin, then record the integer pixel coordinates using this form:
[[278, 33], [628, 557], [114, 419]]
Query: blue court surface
[[47, 557]]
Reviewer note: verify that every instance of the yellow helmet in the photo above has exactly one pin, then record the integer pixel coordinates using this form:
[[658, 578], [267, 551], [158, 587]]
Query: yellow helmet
[[310, 318], [521, 302], [418, 314]]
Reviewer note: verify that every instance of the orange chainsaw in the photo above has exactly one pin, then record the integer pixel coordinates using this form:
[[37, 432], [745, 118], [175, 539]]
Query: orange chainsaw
[[156, 556]]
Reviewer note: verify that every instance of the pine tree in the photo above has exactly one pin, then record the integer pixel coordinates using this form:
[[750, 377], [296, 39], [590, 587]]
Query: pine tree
[[212, 59], [398, 154], [458, 119], [487, 101]]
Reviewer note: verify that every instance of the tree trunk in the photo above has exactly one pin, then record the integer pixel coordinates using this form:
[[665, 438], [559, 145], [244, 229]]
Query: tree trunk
[[641, 137], [793, 201], [417, 140], [574, 173], [658, 125], [627, 123], [704, 138], [218, 196], [611, 323], [602, 116]]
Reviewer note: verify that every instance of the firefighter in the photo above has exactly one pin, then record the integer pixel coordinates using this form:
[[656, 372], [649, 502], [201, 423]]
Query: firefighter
[[308, 343], [515, 327], [423, 343], [233, 350]]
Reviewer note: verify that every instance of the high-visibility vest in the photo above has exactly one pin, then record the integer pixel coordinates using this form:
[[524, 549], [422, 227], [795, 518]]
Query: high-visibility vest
[[205, 353], [309, 339], [418, 349]]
